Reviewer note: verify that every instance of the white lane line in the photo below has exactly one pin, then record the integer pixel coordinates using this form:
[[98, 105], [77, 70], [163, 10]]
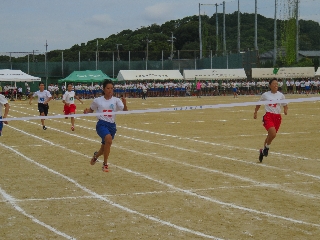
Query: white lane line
[[218, 156], [13, 201], [188, 192], [213, 144], [147, 193], [100, 197]]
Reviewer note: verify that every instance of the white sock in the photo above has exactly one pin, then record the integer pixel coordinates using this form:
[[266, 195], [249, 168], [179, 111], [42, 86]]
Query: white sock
[[267, 146]]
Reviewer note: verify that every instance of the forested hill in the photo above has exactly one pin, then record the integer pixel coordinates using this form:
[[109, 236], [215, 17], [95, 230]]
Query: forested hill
[[186, 33], [186, 36]]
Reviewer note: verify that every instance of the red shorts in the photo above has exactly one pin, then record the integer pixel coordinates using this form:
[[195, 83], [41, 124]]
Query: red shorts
[[69, 109], [271, 120]]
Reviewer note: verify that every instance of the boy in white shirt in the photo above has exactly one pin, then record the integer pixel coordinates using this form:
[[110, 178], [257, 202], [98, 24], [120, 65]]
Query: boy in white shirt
[[44, 97], [3, 103]]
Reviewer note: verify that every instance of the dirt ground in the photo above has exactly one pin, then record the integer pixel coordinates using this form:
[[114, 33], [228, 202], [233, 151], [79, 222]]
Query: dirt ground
[[173, 175]]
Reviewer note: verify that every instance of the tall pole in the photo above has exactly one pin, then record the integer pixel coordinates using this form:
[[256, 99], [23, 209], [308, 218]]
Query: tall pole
[[148, 41], [217, 30], [46, 66], [62, 63], [97, 55], [200, 37], [224, 29], [256, 26], [297, 30], [129, 60], [238, 26], [28, 62], [118, 44], [275, 34], [79, 60]]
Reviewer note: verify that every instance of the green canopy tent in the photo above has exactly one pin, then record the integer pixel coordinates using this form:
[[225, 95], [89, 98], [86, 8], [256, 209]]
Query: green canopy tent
[[86, 76]]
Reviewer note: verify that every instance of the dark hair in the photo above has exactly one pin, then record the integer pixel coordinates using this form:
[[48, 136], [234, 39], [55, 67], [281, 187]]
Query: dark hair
[[69, 84], [274, 79], [41, 83], [106, 82]]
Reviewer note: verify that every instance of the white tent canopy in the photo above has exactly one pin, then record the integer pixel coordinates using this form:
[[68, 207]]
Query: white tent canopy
[[214, 74], [318, 72], [294, 72], [144, 75], [7, 75]]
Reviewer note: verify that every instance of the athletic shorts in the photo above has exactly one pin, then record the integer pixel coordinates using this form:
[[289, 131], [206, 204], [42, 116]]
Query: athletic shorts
[[1, 125], [104, 128], [271, 120], [43, 108], [69, 109]]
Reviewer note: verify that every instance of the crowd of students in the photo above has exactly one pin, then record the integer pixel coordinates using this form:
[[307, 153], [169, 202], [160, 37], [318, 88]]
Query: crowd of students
[[137, 89]]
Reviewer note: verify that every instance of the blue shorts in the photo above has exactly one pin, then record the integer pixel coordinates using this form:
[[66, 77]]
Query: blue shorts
[[1, 125], [104, 128]]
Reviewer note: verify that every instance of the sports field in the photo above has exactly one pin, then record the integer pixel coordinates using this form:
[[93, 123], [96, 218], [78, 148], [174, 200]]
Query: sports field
[[173, 175]]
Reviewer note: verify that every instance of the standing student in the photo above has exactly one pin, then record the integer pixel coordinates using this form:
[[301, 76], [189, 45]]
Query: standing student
[[106, 126], [3, 103], [44, 97], [272, 118], [69, 106]]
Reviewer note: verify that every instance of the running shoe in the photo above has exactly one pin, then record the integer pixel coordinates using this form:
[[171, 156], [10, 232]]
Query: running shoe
[[265, 152], [72, 128], [44, 128], [105, 167], [94, 159], [261, 155]]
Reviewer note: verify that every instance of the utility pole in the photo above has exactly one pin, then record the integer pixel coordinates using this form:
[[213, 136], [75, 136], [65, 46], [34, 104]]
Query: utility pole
[[97, 52], [217, 30], [275, 35], [224, 29], [200, 33], [200, 29], [148, 41], [118, 44], [171, 40], [297, 30], [238, 26], [46, 64], [256, 26]]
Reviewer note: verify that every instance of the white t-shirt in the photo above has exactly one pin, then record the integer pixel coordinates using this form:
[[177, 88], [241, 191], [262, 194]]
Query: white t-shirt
[[276, 107], [101, 105], [42, 96], [68, 97], [3, 101]]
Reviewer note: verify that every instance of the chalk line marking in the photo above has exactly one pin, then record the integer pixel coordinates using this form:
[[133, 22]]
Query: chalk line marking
[[13, 201], [188, 192]]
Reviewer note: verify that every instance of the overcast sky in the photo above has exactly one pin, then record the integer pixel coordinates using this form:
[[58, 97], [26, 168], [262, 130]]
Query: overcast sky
[[25, 25]]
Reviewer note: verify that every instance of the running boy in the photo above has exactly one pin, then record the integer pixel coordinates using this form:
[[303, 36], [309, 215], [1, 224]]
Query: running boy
[[272, 118], [106, 126], [3, 103], [69, 106], [44, 97]]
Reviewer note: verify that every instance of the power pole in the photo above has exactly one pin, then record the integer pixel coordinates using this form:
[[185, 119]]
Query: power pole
[[275, 34], [172, 40], [200, 33], [46, 65], [256, 26], [224, 29], [297, 31], [238, 26]]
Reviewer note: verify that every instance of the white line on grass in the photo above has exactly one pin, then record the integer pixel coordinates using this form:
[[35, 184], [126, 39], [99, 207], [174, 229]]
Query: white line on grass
[[188, 192], [100, 197], [13, 201]]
